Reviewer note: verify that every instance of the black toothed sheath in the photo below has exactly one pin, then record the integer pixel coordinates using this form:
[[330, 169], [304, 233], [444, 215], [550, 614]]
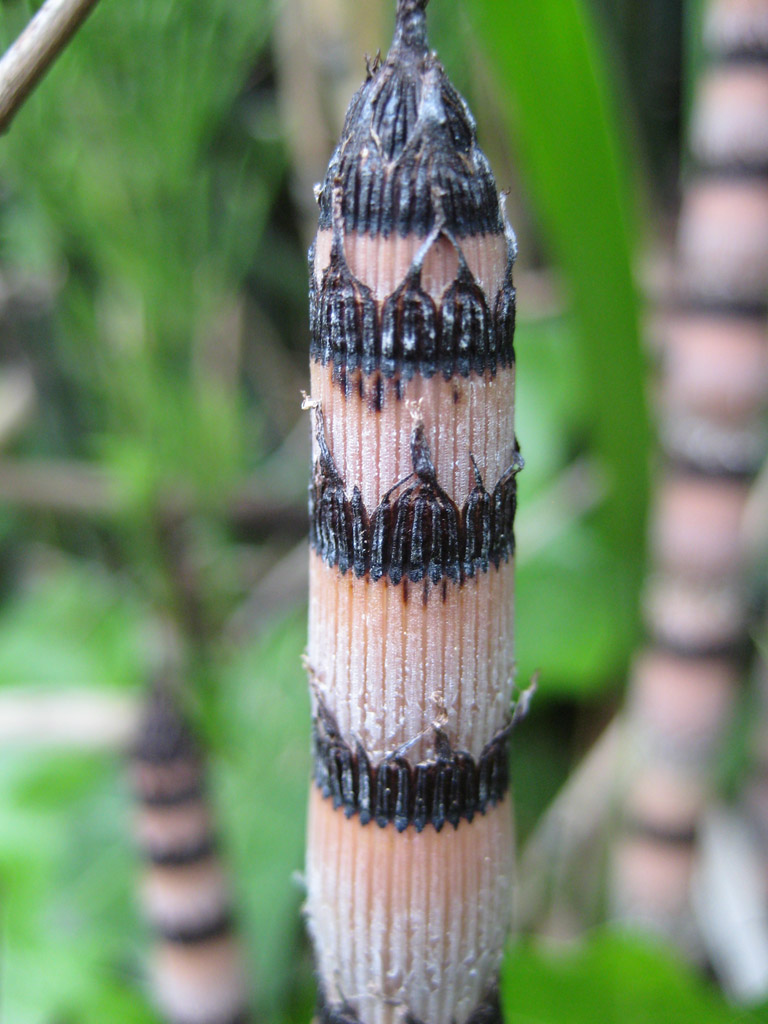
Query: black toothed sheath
[[412, 503]]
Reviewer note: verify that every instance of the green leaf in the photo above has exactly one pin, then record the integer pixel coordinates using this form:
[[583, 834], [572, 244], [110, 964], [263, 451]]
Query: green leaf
[[67, 871], [572, 622], [613, 979], [262, 779], [73, 625], [150, 200], [554, 83]]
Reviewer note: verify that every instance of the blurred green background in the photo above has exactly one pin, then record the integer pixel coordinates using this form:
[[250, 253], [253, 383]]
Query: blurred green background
[[155, 210]]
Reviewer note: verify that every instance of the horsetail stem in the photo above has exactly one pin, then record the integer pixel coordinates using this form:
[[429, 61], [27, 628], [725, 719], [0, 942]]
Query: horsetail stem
[[412, 504], [712, 398], [197, 975]]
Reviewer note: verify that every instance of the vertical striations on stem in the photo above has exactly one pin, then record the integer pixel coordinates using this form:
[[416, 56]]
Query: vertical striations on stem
[[412, 502]]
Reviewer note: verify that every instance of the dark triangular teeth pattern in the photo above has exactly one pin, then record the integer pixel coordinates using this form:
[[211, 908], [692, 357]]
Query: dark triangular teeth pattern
[[419, 534], [453, 787], [409, 332], [408, 165], [408, 156], [381, 202]]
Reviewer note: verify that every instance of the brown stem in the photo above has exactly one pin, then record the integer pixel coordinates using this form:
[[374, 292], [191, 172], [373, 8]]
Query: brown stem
[[27, 60], [712, 399]]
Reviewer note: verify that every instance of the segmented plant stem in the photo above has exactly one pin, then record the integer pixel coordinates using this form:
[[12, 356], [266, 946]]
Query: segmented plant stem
[[712, 395], [197, 972], [412, 503]]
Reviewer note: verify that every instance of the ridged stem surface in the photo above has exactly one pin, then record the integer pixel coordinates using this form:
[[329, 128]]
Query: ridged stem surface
[[412, 501]]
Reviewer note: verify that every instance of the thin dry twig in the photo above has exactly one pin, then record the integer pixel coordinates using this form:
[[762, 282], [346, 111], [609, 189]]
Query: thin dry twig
[[57, 485], [27, 60], [67, 487]]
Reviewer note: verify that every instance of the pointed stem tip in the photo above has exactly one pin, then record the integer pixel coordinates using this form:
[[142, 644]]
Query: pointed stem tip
[[411, 24]]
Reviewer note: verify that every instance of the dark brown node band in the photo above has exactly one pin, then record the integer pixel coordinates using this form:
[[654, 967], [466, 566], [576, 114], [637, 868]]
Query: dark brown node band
[[410, 333], [168, 765], [488, 1012], [453, 787], [173, 798], [163, 734], [664, 834], [702, 302], [736, 649], [196, 934], [420, 533], [708, 466], [182, 855], [744, 53], [739, 169]]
